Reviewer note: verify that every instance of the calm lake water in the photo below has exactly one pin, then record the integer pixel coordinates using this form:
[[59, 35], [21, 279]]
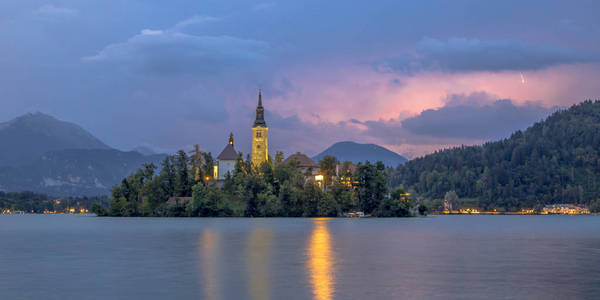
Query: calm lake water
[[437, 257]]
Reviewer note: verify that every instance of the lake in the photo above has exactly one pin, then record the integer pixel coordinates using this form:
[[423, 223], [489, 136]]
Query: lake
[[436, 257]]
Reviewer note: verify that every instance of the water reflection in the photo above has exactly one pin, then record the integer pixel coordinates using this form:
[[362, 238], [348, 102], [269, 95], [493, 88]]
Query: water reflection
[[320, 259], [209, 251], [258, 255]]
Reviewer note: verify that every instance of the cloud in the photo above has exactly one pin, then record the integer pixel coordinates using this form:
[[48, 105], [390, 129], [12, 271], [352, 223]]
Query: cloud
[[473, 55], [465, 118], [263, 6], [195, 20], [291, 134], [173, 52], [51, 11]]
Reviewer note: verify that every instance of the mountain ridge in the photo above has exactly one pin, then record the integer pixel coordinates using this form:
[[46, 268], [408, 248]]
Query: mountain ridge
[[553, 161], [356, 152], [27, 137], [43, 154]]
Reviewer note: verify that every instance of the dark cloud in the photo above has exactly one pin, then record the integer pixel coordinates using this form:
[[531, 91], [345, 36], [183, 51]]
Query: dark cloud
[[467, 119], [466, 55], [191, 78], [50, 11], [174, 52]]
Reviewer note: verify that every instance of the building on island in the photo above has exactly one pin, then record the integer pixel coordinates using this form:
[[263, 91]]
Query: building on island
[[565, 209], [226, 160], [305, 164], [260, 144], [344, 172]]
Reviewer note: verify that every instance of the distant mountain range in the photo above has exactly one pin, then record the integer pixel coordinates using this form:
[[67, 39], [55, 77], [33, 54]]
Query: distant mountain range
[[27, 137], [42, 154], [144, 150], [355, 152]]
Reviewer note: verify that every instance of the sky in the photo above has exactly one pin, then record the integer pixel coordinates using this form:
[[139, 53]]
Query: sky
[[412, 76]]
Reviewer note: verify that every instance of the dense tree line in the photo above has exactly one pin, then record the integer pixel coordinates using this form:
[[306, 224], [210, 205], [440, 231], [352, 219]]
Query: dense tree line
[[554, 161], [30, 202], [274, 189]]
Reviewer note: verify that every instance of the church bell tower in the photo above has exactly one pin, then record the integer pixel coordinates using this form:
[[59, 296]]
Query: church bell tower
[[260, 145]]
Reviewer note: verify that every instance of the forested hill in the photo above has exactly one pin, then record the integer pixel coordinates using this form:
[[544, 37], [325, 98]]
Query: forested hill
[[553, 161], [355, 152]]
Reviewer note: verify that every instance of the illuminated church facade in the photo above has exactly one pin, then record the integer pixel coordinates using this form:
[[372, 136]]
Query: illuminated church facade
[[226, 160], [260, 146], [260, 142]]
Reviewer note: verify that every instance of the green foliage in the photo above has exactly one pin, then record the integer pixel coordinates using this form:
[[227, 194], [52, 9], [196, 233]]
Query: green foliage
[[371, 185], [398, 205], [343, 196], [38, 203], [595, 206], [423, 209], [183, 179], [209, 201], [328, 166], [554, 161], [120, 207], [98, 209], [274, 189]]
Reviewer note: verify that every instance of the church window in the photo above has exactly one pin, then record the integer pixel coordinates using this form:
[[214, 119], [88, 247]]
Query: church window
[[258, 134]]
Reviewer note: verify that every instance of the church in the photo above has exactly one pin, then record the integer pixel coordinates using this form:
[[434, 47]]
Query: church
[[260, 146]]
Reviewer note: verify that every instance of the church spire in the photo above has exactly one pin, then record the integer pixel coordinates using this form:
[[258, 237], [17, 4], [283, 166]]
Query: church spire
[[260, 112], [259, 98], [231, 139]]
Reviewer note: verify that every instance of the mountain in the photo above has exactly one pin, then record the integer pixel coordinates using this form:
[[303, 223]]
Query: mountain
[[143, 150], [355, 152], [74, 172], [27, 137], [553, 161], [42, 154]]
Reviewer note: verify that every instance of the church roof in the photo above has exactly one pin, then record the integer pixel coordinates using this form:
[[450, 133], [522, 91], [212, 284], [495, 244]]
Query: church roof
[[305, 161], [228, 153], [260, 113]]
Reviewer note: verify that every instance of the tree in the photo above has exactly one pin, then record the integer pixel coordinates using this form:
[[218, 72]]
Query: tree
[[371, 187], [553, 160], [595, 206], [291, 205], [311, 195], [120, 207], [452, 199], [278, 158], [197, 163], [183, 187], [397, 205], [254, 186], [208, 165], [98, 209], [328, 165], [343, 196], [167, 176]]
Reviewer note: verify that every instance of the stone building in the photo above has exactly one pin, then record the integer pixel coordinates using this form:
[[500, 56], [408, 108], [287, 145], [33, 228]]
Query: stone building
[[260, 144], [305, 163], [226, 160]]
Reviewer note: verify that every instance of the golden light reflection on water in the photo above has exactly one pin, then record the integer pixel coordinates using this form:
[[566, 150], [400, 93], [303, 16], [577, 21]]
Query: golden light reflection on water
[[209, 250], [320, 259], [258, 255]]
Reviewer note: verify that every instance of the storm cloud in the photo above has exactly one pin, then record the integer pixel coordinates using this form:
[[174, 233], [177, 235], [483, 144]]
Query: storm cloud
[[171, 75], [474, 120], [174, 52], [473, 55]]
